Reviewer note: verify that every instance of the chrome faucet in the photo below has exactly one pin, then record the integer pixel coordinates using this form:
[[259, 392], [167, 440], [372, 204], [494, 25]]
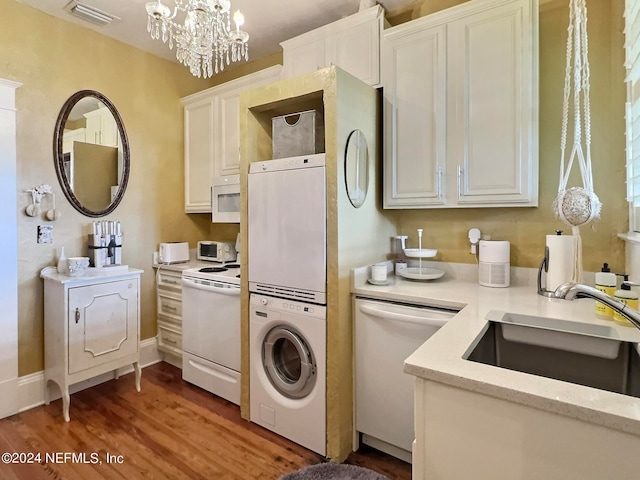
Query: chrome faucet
[[571, 291]]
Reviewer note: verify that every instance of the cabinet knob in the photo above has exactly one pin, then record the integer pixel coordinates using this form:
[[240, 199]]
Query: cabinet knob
[[77, 315]]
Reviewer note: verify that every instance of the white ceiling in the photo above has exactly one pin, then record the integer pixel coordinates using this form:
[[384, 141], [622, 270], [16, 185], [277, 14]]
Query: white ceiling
[[268, 22]]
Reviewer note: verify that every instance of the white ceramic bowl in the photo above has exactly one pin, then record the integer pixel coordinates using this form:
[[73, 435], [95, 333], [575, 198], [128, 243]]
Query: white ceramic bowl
[[78, 266]]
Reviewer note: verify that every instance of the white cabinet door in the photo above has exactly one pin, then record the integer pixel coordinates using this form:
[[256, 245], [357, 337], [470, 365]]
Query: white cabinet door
[[491, 129], [357, 50], [415, 117], [101, 128], [109, 135], [461, 107], [227, 134], [304, 57], [352, 43], [226, 131], [93, 126], [103, 323], [198, 155]]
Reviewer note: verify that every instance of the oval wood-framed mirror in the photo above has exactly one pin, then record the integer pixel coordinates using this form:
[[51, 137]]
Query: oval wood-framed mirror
[[91, 153]]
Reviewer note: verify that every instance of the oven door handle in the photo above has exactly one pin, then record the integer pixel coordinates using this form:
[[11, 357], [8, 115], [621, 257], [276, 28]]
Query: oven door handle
[[209, 288]]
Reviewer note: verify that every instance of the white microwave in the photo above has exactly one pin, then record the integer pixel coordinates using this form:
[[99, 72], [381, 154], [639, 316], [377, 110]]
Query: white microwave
[[225, 199], [212, 251]]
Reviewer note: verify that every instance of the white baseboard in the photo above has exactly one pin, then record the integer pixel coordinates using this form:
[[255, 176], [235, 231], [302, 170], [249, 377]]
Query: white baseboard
[[31, 387], [172, 359]]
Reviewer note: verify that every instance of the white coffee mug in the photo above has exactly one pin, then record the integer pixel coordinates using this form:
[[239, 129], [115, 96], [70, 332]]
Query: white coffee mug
[[379, 272]]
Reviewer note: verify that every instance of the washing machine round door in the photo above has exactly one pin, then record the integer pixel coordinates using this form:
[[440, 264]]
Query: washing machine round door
[[288, 362]]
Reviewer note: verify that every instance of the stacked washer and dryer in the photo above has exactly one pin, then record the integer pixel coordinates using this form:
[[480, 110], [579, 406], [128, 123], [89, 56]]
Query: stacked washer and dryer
[[287, 307]]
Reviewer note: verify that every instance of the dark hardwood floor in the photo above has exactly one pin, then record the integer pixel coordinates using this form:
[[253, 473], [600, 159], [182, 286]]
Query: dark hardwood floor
[[170, 430]]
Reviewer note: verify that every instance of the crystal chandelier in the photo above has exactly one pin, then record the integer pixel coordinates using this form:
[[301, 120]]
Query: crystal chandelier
[[204, 41]]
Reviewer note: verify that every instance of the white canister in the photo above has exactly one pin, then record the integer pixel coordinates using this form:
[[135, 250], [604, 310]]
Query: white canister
[[400, 266], [379, 272]]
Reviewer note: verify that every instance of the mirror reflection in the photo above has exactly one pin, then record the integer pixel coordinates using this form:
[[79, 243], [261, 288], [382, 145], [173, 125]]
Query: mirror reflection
[[92, 153], [356, 168]]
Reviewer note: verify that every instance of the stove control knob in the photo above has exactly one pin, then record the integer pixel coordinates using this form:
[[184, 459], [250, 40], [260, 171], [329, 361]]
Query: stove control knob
[[264, 301]]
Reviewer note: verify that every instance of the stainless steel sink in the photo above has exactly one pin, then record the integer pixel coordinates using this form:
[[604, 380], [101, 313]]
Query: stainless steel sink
[[580, 353]]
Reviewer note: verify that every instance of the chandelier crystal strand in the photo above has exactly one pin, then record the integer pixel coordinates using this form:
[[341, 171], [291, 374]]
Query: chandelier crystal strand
[[204, 38]]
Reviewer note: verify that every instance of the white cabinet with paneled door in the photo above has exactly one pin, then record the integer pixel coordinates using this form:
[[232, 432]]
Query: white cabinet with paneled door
[[352, 43], [101, 128], [198, 154], [461, 101], [92, 326], [212, 135]]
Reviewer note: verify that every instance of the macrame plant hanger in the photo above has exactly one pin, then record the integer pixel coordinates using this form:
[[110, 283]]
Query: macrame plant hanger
[[577, 206]]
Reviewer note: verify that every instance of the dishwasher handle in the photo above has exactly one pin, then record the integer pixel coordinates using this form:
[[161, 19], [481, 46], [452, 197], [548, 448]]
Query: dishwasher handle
[[210, 288], [402, 317]]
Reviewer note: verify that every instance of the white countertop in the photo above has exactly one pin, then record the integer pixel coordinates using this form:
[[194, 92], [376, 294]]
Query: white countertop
[[441, 358], [92, 274]]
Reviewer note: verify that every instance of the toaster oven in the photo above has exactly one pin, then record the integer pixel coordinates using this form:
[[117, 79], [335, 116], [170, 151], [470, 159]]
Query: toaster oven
[[213, 251]]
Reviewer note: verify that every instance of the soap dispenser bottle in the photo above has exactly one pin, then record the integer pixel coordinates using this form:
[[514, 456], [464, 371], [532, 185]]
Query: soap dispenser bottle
[[62, 262], [605, 282], [626, 296]]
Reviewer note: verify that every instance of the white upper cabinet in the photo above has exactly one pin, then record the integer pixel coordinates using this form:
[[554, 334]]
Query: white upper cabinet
[[101, 128], [460, 103], [227, 132], [212, 135], [198, 155], [415, 117], [351, 43]]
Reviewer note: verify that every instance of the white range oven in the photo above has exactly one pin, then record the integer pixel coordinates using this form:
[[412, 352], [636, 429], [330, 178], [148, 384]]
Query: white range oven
[[211, 329]]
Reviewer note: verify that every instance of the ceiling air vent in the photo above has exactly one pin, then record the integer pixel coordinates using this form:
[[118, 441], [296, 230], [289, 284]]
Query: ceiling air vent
[[90, 14]]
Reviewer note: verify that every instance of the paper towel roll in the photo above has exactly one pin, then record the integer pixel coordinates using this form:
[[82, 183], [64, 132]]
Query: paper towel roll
[[562, 260]]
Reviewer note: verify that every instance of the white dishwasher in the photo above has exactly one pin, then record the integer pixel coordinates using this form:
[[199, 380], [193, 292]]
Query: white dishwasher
[[211, 329], [386, 333]]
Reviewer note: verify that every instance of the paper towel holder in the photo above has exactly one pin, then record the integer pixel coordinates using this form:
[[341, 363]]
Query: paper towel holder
[[544, 265]]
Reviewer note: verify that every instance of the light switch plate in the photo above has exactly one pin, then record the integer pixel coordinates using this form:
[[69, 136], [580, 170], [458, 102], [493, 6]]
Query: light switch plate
[[45, 233]]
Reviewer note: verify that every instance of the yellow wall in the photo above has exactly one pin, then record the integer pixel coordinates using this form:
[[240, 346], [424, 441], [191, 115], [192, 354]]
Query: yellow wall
[[525, 228], [53, 59]]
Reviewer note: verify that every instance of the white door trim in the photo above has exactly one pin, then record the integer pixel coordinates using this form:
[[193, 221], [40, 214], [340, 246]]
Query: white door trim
[[8, 252]]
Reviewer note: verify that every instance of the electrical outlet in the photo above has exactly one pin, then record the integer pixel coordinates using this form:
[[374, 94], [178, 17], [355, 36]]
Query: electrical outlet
[[45, 233]]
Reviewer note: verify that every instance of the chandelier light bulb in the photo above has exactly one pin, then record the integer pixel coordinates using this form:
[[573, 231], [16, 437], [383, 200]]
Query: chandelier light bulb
[[238, 18]]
